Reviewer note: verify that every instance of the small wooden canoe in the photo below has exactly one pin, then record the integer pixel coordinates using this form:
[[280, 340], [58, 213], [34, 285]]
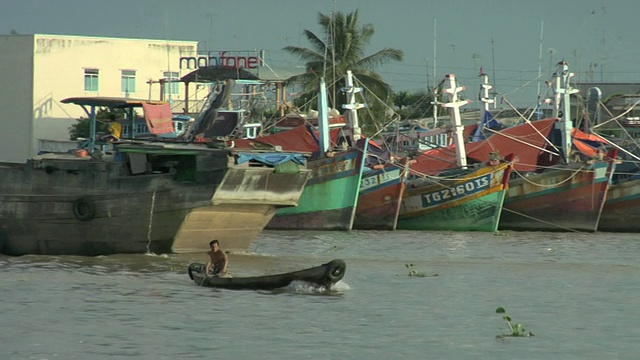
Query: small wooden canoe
[[324, 275]]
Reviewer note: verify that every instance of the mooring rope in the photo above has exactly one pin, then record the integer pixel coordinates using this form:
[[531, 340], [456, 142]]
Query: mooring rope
[[153, 203], [540, 220], [549, 185]]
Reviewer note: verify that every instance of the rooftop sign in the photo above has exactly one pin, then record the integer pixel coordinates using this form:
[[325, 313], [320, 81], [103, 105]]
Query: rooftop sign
[[223, 59]]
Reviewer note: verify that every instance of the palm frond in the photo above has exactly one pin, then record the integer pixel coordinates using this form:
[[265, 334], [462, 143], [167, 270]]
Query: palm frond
[[340, 46], [381, 57], [304, 53]]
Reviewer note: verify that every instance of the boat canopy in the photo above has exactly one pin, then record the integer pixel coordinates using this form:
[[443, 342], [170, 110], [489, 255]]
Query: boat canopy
[[527, 141], [216, 73], [261, 74], [90, 103], [302, 138], [110, 102]]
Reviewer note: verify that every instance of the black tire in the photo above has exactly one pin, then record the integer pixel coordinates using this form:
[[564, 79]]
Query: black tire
[[84, 209], [190, 271], [335, 270], [197, 268]]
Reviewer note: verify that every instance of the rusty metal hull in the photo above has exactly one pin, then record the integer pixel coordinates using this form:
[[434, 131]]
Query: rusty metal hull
[[380, 197], [263, 186], [568, 198], [57, 214], [621, 211], [237, 226], [242, 205], [53, 231], [83, 206], [317, 220]]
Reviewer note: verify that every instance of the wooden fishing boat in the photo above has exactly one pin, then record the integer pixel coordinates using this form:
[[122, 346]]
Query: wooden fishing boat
[[324, 275], [380, 197], [570, 186], [621, 211], [569, 197], [562, 175], [383, 178], [468, 198]]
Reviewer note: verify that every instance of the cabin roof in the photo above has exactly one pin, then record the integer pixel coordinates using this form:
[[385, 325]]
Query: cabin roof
[[112, 102], [263, 73], [216, 73]]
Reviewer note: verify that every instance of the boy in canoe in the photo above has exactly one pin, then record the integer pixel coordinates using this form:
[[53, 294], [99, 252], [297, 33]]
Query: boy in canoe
[[217, 265]]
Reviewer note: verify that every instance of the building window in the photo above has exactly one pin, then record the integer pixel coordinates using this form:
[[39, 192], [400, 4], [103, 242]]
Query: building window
[[128, 81], [142, 129], [171, 86], [90, 79]]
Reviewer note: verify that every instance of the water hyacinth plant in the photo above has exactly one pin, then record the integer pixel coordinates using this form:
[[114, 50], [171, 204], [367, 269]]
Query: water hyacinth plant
[[413, 272], [516, 329]]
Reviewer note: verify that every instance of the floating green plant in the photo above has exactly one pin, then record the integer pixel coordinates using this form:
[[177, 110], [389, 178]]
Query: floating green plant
[[517, 330], [413, 272]]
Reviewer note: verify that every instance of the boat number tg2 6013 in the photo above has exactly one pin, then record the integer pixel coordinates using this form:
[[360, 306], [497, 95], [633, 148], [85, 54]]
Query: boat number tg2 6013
[[457, 191]]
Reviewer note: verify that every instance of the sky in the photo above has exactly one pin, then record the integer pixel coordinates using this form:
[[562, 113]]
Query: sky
[[516, 42]]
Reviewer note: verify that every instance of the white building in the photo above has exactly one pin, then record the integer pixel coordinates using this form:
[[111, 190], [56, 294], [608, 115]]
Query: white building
[[37, 71]]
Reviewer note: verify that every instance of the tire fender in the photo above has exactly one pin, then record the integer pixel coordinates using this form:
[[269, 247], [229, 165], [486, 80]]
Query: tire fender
[[190, 271], [335, 270], [197, 268], [84, 209]]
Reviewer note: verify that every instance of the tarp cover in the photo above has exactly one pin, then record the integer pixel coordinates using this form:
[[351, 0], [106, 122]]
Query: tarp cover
[[158, 118], [525, 141], [302, 138]]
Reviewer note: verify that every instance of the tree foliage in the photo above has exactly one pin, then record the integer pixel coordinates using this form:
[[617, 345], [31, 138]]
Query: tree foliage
[[82, 126], [340, 46], [414, 105]]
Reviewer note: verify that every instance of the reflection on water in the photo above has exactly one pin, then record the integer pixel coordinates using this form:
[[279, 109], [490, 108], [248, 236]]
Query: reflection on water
[[577, 292]]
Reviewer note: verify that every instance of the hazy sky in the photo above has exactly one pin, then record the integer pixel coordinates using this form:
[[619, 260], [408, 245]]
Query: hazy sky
[[503, 36]]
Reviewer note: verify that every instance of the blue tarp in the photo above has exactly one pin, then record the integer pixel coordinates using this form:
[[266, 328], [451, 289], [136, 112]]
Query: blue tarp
[[488, 121], [272, 158]]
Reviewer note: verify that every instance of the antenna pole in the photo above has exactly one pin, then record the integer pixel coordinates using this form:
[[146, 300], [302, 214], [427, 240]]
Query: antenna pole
[[435, 40], [493, 61], [539, 95], [426, 61], [540, 56]]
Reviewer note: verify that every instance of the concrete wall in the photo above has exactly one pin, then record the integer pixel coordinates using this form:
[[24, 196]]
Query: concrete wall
[[45, 69], [16, 97]]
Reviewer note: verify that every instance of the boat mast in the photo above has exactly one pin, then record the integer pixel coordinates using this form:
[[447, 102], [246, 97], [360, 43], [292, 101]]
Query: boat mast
[[484, 97], [562, 106], [323, 117], [454, 105], [539, 104], [435, 101], [435, 41], [92, 129], [352, 106]]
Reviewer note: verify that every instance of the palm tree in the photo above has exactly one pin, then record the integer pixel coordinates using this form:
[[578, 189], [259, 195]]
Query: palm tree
[[340, 47]]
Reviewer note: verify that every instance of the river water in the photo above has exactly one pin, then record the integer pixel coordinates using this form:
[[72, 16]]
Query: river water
[[578, 293]]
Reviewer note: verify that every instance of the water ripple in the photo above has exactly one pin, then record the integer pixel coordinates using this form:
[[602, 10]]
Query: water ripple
[[576, 292]]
